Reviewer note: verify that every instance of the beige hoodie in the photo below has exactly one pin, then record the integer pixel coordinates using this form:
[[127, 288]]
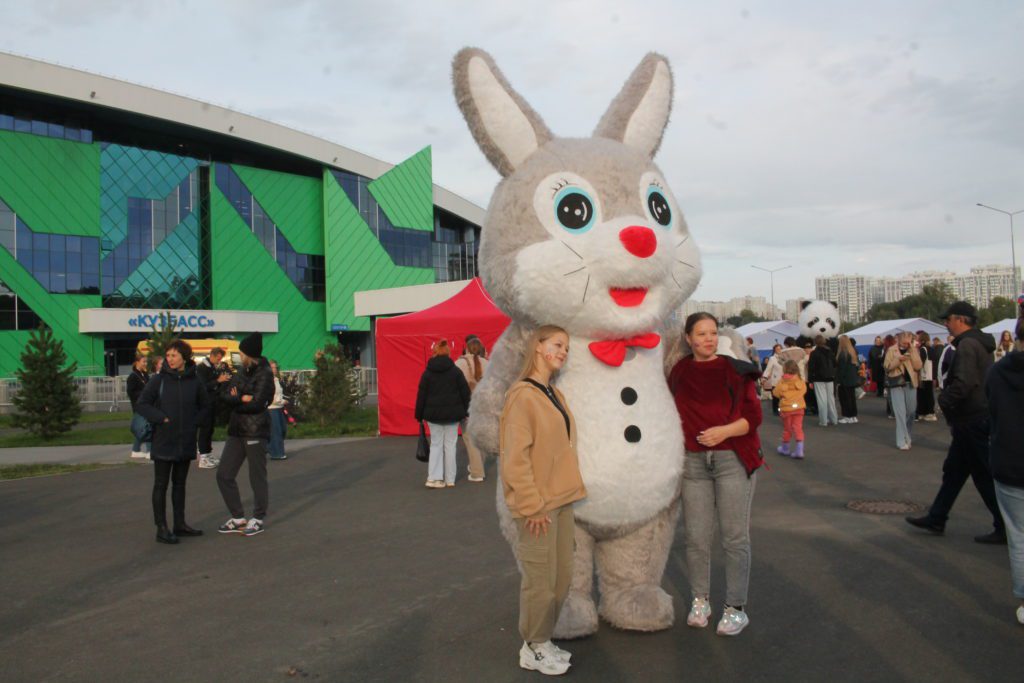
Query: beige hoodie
[[539, 467]]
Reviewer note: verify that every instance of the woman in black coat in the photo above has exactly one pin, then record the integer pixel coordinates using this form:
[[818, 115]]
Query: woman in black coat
[[443, 401], [134, 385], [175, 402]]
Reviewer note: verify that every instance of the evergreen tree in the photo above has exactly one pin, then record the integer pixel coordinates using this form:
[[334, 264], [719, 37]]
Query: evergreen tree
[[161, 338], [47, 403], [330, 390]]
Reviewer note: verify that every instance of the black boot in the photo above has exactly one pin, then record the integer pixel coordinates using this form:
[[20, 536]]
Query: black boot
[[185, 530], [164, 535]]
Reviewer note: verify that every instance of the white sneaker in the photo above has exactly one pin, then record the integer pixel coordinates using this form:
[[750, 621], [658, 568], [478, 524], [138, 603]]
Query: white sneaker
[[255, 526], [139, 455], [474, 479], [700, 612], [206, 462], [1020, 614], [535, 659], [434, 484], [733, 621], [552, 650]]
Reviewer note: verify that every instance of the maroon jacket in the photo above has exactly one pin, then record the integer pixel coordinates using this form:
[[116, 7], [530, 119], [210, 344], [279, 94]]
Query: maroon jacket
[[714, 393]]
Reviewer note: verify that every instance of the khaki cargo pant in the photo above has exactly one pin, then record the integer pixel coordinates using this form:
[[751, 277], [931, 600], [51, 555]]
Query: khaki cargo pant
[[547, 570]]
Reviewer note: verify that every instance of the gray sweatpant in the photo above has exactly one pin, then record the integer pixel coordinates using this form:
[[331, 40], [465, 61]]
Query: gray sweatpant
[[237, 450], [716, 488]]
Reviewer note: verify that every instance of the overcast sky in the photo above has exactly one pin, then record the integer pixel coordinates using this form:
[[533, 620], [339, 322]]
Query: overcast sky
[[843, 136]]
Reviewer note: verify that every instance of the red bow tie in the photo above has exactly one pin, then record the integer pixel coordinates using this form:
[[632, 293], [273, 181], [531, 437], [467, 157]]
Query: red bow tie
[[613, 351]]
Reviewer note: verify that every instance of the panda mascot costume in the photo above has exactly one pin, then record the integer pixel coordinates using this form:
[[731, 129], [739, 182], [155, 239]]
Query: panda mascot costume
[[818, 317]]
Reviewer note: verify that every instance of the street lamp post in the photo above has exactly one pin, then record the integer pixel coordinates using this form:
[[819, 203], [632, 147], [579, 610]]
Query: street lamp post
[[1013, 249], [771, 280]]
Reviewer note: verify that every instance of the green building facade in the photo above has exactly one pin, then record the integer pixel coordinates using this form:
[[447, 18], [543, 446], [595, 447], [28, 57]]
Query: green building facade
[[110, 209]]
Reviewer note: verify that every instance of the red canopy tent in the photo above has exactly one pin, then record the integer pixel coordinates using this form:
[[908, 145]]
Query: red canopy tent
[[403, 348]]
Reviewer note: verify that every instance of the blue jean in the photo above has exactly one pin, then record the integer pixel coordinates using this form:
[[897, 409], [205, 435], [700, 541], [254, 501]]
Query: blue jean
[[716, 489], [825, 396], [1011, 504], [443, 438], [140, 446], [904, 407], [278, 427]]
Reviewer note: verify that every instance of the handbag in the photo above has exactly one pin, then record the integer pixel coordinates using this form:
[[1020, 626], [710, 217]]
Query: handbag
[[141, 428], [895, 382], [423, 445]]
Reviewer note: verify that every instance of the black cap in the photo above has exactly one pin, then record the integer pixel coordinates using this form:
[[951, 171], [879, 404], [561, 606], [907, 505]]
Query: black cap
[[252, 345], [960, 308]]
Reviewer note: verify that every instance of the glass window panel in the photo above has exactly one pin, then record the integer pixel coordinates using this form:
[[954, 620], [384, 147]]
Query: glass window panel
[[58, 260], [74, 244], [27, 319], [74, 281], [22, 124], [120, 269], [55, 130], [90, 255], [108, 283], [86, 135], [73, 133], [8, 320], [39, 127], [6, 122], [58, 283]]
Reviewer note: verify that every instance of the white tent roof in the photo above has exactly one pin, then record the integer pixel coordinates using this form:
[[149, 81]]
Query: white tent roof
[[996, 329], [867, 333], [768, 333]]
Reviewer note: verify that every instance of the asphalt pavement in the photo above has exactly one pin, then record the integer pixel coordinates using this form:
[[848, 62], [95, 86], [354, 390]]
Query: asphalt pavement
[[363, 574]]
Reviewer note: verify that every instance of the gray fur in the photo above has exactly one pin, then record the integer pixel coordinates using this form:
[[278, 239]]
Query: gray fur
[[489, 395], [622, 109], [471, 109]]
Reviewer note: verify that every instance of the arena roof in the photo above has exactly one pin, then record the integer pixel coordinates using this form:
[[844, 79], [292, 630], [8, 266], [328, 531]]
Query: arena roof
[[23, 73]]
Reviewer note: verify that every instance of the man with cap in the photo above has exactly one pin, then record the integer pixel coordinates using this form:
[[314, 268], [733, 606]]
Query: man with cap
[[248, 393], [965, 407]]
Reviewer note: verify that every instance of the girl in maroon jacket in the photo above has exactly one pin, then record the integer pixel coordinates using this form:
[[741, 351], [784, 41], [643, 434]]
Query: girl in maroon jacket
[[720, 410]]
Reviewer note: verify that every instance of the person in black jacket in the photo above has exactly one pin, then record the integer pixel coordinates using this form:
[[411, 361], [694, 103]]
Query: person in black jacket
[[175, 402], [821, 372], [209, 371], [134, 385], [1004, 389], [248, 393], [965, 407], [875, 356], [443, 401]]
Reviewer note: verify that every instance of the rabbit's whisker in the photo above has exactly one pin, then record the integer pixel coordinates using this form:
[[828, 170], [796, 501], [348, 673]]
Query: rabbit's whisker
[[675, 280], [683, 242], [573, 251], [585, 288], [574, 271], [687, 264]]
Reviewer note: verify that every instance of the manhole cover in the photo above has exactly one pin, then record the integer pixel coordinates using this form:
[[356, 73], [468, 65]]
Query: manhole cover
[[885, 507]]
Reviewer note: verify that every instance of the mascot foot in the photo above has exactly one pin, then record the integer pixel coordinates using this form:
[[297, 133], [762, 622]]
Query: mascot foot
[[640, 608], [578, 617]]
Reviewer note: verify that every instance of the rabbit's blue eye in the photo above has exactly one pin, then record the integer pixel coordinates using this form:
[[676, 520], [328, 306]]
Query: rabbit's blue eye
[[658, 206], [574, 209]]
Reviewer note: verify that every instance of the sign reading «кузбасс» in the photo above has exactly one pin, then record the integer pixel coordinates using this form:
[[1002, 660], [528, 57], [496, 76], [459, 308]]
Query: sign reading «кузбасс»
[[143, 320]]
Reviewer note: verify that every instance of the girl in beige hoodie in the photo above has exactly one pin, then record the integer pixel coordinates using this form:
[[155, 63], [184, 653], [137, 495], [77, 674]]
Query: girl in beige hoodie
[[541, 479]]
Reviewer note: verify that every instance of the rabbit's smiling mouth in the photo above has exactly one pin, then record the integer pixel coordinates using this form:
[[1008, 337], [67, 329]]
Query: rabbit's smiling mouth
[[628, 298]]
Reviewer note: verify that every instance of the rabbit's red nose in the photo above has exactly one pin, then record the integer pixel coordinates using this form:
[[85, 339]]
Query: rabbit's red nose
[[638, 240]]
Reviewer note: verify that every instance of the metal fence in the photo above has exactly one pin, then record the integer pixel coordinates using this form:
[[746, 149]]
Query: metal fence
[[108, 393]]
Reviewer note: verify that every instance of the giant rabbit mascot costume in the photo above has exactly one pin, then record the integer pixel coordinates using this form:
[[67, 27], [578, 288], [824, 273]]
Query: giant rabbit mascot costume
[[586, 234]]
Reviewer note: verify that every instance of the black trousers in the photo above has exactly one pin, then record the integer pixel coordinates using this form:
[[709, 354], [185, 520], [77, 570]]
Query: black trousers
[[848, 401], [236, 451], [878, 377], [175, 472], [204, 437], [925, 398], [967, 457]]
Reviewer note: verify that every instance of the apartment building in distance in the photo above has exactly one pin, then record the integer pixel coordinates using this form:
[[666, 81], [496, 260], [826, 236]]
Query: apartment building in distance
[[855, 294], [726, 309]]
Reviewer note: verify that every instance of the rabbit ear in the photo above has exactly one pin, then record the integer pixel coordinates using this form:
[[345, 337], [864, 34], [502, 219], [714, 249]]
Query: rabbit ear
[[639, 114], [505, 127]]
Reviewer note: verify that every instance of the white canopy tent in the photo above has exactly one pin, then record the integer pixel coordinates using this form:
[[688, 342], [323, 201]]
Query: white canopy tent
[[996, 329], [767, 334], [865, 335]]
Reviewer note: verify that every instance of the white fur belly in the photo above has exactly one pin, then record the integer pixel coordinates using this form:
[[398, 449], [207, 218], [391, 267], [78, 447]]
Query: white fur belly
[[630, 442]]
